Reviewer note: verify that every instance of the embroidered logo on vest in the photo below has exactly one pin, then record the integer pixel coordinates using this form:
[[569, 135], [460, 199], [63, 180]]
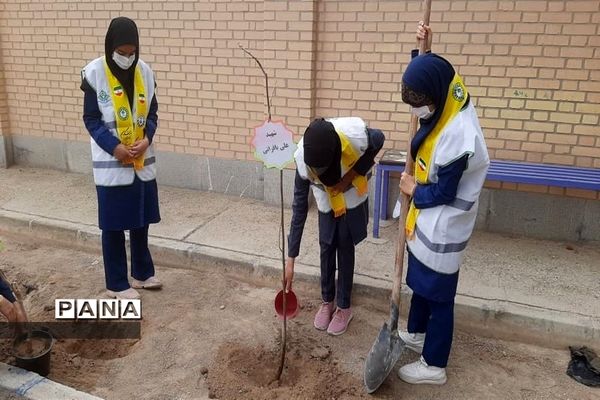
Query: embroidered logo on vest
[[123, 113], [142, 98], [103, 97], [458, 92], [141, 121]]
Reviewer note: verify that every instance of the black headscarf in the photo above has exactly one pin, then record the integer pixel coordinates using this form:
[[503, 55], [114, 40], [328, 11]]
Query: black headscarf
[[428, 77], [323, 149], [122, 30]]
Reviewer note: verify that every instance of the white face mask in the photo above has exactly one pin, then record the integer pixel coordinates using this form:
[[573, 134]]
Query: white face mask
[[422, 112], [123, 62]]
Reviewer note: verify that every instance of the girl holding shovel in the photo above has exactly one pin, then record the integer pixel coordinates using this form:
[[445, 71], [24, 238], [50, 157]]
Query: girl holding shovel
[[451, 162]]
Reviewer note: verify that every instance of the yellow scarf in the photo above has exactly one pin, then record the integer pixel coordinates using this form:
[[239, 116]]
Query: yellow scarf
[[349, 158], [129, 129], [456, 99]]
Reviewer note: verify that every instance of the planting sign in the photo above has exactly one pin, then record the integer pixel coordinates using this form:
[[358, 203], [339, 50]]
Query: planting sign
[[273, 144]]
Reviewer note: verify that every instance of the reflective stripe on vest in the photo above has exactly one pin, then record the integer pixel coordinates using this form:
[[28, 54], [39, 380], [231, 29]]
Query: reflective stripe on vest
[[442, 233]]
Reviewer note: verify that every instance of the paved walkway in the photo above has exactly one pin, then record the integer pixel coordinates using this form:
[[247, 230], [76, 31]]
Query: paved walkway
[[16, 383], [512, 287]]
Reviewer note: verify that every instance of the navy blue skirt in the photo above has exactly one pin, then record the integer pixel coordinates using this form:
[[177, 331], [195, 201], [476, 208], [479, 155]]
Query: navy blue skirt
[[128, 207], [428, 283]]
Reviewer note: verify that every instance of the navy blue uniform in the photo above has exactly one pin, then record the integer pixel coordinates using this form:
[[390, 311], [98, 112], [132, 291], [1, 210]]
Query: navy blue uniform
[[132, 207], [337, 236]]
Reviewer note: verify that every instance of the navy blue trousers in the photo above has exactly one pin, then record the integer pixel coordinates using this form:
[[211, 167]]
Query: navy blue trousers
[[115, 258], [341, 246], [436, 320]]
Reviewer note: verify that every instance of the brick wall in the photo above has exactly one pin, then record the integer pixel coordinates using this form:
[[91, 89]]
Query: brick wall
[[3, 103], [532, 66]]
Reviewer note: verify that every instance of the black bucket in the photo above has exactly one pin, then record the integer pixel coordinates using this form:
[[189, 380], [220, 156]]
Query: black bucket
[[40, 362]]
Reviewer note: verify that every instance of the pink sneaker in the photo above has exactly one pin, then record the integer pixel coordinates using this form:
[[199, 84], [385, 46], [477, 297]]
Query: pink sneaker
[[339, 322], [323, 316], [151, 283]]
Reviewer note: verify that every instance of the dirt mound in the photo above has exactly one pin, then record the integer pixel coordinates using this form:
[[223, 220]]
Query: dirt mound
[[210, 330], [77, 363], [249, 373], [106, 349], [74, 362]]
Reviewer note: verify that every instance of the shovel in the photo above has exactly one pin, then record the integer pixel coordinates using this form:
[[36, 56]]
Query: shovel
[[388, 346]]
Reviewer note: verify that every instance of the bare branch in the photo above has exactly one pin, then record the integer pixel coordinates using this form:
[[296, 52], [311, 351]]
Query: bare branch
[[266, 79]]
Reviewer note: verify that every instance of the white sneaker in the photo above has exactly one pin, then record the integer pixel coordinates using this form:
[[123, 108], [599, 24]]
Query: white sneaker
[[419, 372], [150, 283], [414, 341], [127, 294]]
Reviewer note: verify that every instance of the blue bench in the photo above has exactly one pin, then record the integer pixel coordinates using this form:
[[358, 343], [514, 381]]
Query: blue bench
[[390, 161], [504, 171], [544, 174]]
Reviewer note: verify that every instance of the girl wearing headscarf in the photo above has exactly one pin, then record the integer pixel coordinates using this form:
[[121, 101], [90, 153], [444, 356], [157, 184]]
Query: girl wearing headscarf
[[334, 157], [451, 162], [120, 113]]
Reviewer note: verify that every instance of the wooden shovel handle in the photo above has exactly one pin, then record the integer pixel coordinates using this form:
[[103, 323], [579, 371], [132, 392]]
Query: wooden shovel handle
[[409, 168]]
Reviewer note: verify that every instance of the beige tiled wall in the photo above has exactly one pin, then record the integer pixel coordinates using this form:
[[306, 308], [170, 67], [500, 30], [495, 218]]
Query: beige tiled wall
[[533, 68]]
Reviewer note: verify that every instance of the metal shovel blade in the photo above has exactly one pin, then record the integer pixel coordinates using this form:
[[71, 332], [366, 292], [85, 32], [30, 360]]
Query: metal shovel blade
[[383, 356]]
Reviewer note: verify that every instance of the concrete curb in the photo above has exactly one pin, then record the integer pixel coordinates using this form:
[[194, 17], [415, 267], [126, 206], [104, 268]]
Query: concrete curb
[[35, 387], [485, 317]]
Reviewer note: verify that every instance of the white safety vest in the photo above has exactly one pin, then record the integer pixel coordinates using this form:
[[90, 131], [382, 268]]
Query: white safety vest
[[108, 171], [355, 129], [442, 232]]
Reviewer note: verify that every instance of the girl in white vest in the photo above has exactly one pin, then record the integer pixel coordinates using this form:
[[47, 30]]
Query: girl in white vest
[[451, 162], [334, 157], [120, 113]]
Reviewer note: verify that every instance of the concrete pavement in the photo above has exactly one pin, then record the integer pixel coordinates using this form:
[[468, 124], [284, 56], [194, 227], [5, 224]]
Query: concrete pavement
[[17, 383], [518, 288]]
